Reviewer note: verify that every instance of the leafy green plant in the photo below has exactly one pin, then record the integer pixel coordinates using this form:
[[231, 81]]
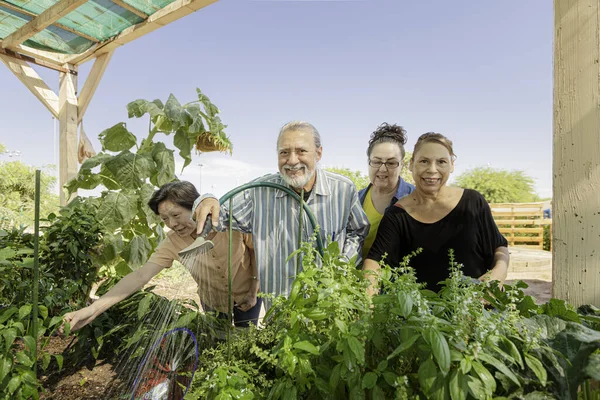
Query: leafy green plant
[[67, 250], [130, 172], [16, 264], [328, 340], [17, 346]]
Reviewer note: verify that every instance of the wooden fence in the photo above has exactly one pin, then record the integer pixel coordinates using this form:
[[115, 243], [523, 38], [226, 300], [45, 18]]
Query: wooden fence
[[522, 224]]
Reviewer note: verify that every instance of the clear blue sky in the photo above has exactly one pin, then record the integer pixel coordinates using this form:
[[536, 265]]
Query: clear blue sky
[[478, 71]]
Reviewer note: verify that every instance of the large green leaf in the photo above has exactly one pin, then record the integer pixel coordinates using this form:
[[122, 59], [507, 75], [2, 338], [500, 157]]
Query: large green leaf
[[489, 383], [458, 386], [427, 374], [369, 380], [24, 311], [210, 108], [130, 169], [197, 124], [108, 179], [357, 348], [136, 251], [117, 209], [538, 369], [307, 346], [9, 336], [146, 192], [85, 179], [440, 349], [13, 384], [117, 138], [165, 164], [93, 162], [174, 112], [112, 245], [184, 144], [499, 365], [140, 107], [5, 367], [143, 306]]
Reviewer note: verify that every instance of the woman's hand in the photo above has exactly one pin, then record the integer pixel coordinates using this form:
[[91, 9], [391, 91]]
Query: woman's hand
[[78, 319]]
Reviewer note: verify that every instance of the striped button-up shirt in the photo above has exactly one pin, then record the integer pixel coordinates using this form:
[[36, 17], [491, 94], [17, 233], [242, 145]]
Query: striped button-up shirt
[[272, 216]]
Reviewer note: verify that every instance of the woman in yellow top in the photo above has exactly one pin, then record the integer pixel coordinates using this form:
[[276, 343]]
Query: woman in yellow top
[[385, 156], [173, 203]]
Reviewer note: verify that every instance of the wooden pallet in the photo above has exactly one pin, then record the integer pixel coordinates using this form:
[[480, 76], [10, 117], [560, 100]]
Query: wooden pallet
[[522, 224]]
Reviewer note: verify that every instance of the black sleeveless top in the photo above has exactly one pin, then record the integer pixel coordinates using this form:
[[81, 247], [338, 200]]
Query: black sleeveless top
[[468, 229]]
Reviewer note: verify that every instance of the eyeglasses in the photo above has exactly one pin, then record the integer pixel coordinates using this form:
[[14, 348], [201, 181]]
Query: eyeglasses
[[388, 164]]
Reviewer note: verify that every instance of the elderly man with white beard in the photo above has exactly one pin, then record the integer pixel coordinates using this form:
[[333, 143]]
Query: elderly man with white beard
[[272, 216]]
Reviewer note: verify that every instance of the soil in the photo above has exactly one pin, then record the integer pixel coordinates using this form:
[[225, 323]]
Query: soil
[[94, 380], [86, 382]]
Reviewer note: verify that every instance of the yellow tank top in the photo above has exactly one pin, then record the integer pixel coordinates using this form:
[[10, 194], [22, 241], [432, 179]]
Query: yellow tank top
[[374, 219]]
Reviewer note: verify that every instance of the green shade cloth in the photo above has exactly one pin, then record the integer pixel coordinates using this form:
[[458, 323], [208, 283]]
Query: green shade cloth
[[100, 19]]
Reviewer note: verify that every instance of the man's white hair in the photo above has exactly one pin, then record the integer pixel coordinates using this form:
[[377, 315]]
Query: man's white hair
[[301, 126]]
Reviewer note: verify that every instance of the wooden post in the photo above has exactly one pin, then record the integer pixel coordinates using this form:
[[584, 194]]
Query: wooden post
[[576, 152], [67, 116]]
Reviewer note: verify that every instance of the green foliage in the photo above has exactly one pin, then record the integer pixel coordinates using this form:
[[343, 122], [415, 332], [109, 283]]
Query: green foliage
[[329, 340], [17, 194], [17, 379], [16, 266], [67, 250], [362, 181], [406, 174], [499, 186], [359, 180], [130, 172]]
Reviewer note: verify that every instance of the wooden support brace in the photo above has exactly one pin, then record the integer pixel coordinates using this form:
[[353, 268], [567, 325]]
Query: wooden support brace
[[33, 82]]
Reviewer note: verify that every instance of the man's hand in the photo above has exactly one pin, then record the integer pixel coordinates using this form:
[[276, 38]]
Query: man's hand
[[78, 319], [207, 206], [248, 302]]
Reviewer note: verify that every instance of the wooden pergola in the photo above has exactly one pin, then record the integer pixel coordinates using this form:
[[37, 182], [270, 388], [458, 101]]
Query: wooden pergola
[[69, 104]]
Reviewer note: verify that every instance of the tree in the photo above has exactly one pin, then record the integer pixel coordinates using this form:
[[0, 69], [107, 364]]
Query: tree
[[360, 180], [17, 193], [406, 174], [498, 185]]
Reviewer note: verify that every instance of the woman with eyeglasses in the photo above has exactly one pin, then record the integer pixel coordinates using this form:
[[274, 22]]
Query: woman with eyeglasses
[[385, 156], [438, 218]]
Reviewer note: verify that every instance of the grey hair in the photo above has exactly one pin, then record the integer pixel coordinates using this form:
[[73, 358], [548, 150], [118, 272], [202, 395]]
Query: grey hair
[[301, 126]]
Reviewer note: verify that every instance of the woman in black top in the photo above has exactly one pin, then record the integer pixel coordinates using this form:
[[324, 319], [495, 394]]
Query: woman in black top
[[437, 218]]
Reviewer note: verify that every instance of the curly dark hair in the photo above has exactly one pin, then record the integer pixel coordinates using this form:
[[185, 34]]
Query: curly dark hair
[[386, 133]]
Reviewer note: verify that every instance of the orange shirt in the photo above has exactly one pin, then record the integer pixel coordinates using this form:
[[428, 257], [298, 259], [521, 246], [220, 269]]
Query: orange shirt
[[209, 269]]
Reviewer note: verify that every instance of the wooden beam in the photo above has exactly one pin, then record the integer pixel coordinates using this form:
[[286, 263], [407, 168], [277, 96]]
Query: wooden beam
[[41, 22], [41, 63], [33, 82], [164, 16], [11, 6], [91, 83], [576, 152], [52, 58], [132, 9], [68, 131]]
